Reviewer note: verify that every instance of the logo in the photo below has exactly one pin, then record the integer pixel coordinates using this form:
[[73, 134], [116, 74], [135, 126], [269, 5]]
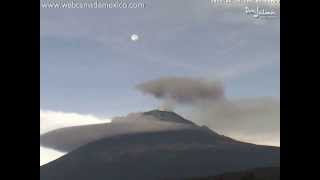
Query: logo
[[260, 12]]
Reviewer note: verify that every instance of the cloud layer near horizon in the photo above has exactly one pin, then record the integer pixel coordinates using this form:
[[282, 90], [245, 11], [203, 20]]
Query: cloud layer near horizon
[[51, 120]]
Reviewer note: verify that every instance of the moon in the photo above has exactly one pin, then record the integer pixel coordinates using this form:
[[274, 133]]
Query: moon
[[134, 37]]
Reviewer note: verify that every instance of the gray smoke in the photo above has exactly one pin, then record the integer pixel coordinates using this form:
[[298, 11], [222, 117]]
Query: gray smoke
[[255, 120], [182, 90]]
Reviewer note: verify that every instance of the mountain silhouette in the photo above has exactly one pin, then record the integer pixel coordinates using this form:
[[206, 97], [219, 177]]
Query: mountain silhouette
[[71, 138], [176, 153], [266, 173]]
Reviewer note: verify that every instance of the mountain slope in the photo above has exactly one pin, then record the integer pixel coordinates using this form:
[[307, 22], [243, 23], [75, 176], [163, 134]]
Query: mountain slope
[[170, 154], [70, 138], [267, 173], [168, 116]]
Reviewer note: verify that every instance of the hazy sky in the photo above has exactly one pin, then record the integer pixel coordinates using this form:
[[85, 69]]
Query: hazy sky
[[90, 65]]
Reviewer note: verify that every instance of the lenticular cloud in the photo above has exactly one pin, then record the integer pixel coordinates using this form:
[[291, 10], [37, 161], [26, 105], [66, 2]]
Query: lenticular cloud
[[51, 120]]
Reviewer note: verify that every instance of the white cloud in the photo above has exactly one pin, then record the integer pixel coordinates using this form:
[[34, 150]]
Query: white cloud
[[270, 139], [51, 120], [47, 155]]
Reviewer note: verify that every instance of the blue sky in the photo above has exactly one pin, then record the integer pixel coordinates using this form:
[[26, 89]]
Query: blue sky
[[90, 65]]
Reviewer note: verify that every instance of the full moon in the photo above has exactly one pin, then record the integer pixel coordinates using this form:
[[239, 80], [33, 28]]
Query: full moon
[[134, 37]]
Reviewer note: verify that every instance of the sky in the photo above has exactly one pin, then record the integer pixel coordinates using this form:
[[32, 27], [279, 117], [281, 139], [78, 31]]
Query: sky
[[90, 64]]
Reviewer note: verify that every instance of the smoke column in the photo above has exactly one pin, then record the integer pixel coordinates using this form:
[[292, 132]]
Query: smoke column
[[255, 120], [182, 90]]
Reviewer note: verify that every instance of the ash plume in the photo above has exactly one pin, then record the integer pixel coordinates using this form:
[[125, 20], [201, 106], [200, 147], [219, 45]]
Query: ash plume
[[255, 120], [182, 90]]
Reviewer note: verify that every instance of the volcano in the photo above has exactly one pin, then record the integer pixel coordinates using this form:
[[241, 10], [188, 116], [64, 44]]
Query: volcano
[[184, 150]]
